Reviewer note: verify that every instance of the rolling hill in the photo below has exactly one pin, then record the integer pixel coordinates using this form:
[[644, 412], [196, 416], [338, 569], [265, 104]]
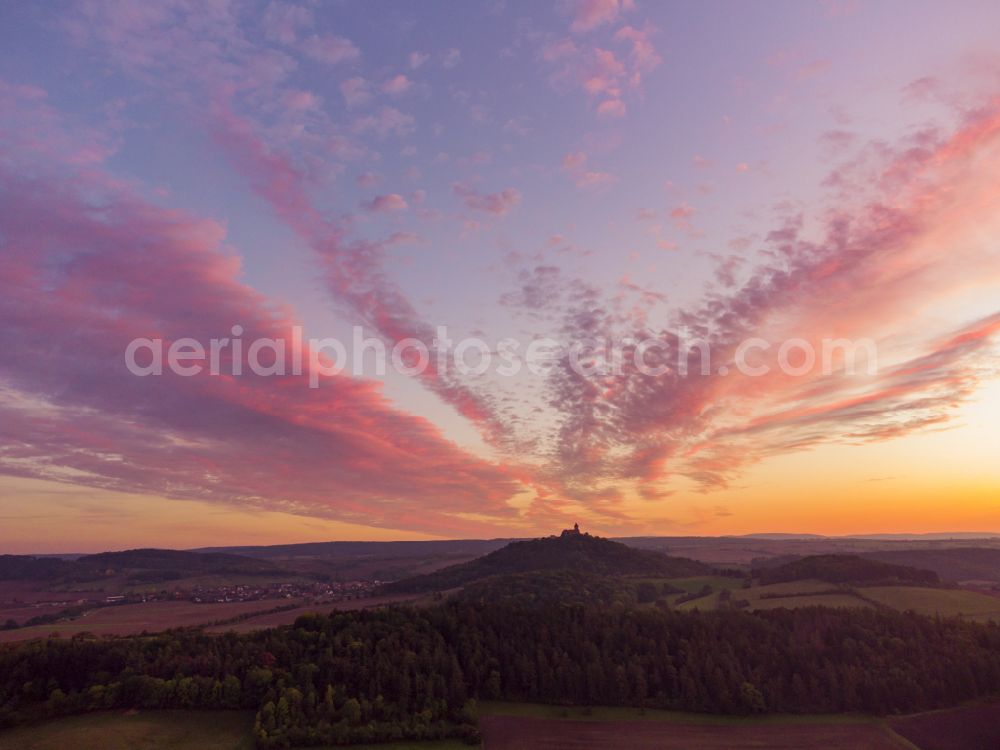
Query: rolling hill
[[572, 550], [951, 564], [846, 569]]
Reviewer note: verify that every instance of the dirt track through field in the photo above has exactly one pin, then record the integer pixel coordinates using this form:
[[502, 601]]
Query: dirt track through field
[[524, 733]]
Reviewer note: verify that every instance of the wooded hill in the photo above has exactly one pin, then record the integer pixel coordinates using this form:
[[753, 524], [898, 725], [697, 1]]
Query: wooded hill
[[581, 553], [847, 569]]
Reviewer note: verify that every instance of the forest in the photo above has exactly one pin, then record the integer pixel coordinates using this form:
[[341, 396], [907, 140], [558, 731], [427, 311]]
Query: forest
[[412, 672]]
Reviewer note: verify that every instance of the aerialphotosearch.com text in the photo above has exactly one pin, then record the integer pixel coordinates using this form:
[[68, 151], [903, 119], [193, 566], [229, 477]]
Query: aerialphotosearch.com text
[[668, 354]]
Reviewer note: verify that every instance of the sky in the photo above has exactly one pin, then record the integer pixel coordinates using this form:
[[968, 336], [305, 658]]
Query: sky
[[570, 181]]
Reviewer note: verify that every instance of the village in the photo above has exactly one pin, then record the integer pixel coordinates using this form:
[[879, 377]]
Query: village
[[248, 592]]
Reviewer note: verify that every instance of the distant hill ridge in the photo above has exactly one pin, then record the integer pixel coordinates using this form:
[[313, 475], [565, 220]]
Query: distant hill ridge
[[159, 564], [172, 559], [572, 550]]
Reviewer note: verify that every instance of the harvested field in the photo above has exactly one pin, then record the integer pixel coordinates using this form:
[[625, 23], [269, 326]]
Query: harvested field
[[530, 733], [274, 619]]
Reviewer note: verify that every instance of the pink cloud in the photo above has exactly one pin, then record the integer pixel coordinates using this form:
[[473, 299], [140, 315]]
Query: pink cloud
[[870, 258], [588, 15], [611, 108], [398, 84], [330, 49], [390, 203], [417, 59], [301, 101], [601, 72], [574, 160], [682, 213], [517, 125], [574, 164], [387, 121], [645, 58], [367, 180], [82, 279], [356, 91], [282, 21], [403, 238], [493, 203], [234, 74], [861, 280], [558, 49], [589, 179]]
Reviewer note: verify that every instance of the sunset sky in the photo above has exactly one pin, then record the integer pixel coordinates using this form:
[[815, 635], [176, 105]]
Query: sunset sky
[[599, 169]]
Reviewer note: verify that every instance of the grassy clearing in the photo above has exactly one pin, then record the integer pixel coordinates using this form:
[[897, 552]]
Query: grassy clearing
[[146, 730], [945, 602]]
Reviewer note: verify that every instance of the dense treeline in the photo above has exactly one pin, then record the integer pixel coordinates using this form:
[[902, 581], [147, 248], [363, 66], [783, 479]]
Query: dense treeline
[[557, 586], [414, 673]]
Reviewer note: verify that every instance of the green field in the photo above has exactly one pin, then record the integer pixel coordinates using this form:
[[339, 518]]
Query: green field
[[821, 600], [945, 602], [162, 730]]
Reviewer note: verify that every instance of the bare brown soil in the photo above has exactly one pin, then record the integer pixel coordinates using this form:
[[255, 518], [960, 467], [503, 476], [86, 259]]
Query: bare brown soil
[[524, 733]]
